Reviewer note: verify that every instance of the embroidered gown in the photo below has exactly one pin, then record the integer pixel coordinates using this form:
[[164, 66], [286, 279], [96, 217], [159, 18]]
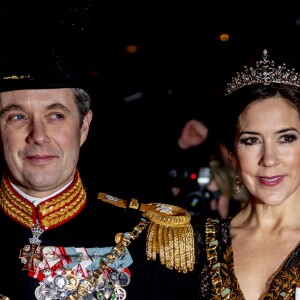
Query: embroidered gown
[[95, 225], [283, 285]]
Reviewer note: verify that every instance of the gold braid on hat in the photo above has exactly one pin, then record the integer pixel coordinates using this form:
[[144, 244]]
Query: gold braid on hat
[[170, 233], [265, 73]]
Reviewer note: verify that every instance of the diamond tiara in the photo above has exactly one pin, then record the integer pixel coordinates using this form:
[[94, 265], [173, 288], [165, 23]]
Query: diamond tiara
[[264, 72]]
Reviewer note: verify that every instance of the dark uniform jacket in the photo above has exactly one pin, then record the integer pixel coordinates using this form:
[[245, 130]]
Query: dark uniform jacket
[[95, 226]]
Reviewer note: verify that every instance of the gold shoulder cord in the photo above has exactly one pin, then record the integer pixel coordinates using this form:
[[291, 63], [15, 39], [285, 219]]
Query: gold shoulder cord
[[170, 233], [212, 257], [123, 240]]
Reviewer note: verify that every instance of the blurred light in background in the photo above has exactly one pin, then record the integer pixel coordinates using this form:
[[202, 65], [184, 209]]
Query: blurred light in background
[[223, 37]]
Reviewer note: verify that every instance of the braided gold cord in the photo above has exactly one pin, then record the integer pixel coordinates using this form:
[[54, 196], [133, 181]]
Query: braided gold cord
[[182, 245], [190, 245], [87, 285], [151, 255], [175, 246], [176, 250], [170, 247], [178, 216], [68, 210], [14, 206], [52, 212], [170, 234], [66, 198], [174, 235], [163, 251], [112, 200], [17, 214]]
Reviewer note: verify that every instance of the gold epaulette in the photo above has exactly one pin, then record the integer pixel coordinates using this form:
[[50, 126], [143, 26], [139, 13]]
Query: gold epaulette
[[170, 233]]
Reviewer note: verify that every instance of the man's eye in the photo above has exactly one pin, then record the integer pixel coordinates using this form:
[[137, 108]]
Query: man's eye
[[57, 116], [16, 117]]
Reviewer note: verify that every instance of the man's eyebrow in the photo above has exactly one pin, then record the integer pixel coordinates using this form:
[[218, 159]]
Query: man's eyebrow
[[58, 106], [10, 107]]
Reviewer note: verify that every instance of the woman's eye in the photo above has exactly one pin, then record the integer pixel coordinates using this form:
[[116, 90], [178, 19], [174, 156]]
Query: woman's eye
[[288, 138], [249, 141]]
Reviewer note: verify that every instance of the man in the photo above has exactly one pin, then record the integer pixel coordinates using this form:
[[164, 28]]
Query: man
[[58, 241]]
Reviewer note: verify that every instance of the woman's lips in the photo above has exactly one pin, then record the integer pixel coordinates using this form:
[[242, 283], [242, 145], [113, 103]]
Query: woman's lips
[[270, 181]]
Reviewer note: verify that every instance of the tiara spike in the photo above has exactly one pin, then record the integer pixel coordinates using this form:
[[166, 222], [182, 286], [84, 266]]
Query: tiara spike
[[264, 72]]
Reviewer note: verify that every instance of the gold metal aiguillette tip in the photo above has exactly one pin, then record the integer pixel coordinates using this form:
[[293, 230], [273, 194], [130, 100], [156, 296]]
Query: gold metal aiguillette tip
[[118, 237]]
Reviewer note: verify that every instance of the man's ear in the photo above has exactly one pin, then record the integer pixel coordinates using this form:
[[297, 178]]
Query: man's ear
[[86, 126], [193, 134]]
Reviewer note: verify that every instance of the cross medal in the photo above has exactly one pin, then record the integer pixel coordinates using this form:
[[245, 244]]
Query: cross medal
[[31, 254]]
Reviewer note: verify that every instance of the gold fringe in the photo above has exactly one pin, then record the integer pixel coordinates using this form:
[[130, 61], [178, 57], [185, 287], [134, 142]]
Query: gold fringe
[[170, 233]]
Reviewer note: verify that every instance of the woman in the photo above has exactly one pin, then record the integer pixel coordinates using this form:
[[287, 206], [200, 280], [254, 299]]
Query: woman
[[256, 254]]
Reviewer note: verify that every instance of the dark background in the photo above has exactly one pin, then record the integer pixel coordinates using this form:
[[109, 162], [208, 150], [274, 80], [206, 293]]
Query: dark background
[[141, 100]]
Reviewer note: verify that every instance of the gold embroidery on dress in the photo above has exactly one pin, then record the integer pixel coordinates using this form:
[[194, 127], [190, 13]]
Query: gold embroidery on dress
[[221, 287], [283, 287]]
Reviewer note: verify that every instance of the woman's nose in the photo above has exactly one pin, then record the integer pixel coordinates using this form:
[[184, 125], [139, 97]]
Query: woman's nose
[[269, 157]]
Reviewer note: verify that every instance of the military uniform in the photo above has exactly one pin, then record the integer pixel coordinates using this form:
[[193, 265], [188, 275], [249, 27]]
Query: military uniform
[[70, 242]]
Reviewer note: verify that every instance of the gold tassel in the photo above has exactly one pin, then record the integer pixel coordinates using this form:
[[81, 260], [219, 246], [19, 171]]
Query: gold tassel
[[170, 233]]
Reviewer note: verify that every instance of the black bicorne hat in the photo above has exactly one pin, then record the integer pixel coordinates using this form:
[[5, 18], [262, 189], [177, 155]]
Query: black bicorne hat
[[42, 71], [44, 49]]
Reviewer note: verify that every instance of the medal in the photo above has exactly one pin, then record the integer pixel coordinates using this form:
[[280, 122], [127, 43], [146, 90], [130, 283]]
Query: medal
[[79, 273], [31, 254], [123, 278]]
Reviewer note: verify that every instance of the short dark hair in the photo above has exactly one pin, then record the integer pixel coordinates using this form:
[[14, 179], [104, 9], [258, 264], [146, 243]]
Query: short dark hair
[[83, 102]]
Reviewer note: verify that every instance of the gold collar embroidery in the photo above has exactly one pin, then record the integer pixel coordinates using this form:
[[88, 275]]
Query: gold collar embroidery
[[50, 213]]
